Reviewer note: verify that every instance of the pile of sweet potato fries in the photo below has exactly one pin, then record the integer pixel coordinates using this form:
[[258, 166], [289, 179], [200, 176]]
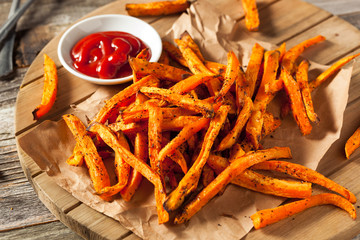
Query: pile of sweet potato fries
[[186, 124]]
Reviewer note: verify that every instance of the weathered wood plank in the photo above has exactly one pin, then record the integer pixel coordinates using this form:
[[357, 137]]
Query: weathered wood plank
[[20, 206], [52, 230]]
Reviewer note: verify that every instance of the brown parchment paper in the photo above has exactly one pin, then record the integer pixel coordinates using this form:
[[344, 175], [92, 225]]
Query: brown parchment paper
[[225, 217]]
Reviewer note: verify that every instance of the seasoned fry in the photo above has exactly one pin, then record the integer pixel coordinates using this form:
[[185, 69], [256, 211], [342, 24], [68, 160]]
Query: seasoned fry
[[50, 89], [184, 134], [252, 21], [232, 137], [190, 181], [302, 80], [297, 105], [112, 105], [262, 99], [185, 36], [98, 174], [143, 68], [141, 152], [183, 101], [292, 54], [216, 68], [306, 174], [77, 158], [138, 165], [270, 124], [156, 8], [253, 68], [192, 82], [231, 74], [174, 53], [261, 183], [352, 143], [226, 176], [331, 71], [268, 216]]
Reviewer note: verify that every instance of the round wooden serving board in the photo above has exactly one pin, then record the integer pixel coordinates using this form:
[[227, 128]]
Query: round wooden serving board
[[281, 20]]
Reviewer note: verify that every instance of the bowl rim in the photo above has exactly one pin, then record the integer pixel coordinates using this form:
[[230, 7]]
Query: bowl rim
[[155, 55]]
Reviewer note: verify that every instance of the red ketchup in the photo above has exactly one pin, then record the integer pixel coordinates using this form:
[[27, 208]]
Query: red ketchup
[[105, 54]]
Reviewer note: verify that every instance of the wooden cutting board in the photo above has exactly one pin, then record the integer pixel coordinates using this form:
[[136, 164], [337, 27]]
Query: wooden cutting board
[[285, 20]]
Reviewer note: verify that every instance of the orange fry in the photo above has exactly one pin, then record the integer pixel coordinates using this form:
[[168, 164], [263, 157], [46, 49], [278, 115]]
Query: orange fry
[[174, 53], [183, 101], [231, 74], [253, 67], [138, 165], [331, 71], [252, 21], [112, 105], [184, 134], [288, 61], [261, 183], [297, 105], [49, 90], [352, 143], [306, 174], [156, 8], [98, 174], [77, 158], [226, 176], [185, 36], [192, 82], [262, 99], [161, 71], [268, 216], [302, 79], [232, 137], [190, 181], [141, 152]]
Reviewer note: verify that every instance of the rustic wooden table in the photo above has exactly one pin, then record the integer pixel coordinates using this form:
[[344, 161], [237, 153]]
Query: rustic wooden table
[[23, 216]]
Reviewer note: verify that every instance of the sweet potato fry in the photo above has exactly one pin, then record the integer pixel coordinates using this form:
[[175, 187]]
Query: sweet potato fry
[[270, 124], [156, 8], [185, 36], [231, 74], [268, 216], [262, 183], [207, 175], [112, 105], [138, 165], [252, 21], [216, 68], [122, 169], [98, 173], [226, 176], [306, 174], [141, 152], [232, 137], [143, 68], [164, 58], [179, 158], [50, 88], [302, 80], [297, 105], [174, 53], [183, 101], [262, 99], [77, 158], [331, 71], [184, 134], [253, 68], [289, 59], [192, 82], [155, 137], [352, 143], [190, 181]]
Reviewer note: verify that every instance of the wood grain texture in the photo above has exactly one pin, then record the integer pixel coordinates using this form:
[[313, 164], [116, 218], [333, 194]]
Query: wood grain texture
[[37, 28]]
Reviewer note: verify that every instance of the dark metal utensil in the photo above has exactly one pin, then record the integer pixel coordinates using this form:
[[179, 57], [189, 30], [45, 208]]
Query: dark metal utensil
[[9, 26], [6, 52]]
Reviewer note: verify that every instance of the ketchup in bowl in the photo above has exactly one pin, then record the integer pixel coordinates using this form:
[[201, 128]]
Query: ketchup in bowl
[[105, 54]]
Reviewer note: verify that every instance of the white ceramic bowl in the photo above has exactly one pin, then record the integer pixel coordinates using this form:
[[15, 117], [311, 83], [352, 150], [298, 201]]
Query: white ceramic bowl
[[101, 23]]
